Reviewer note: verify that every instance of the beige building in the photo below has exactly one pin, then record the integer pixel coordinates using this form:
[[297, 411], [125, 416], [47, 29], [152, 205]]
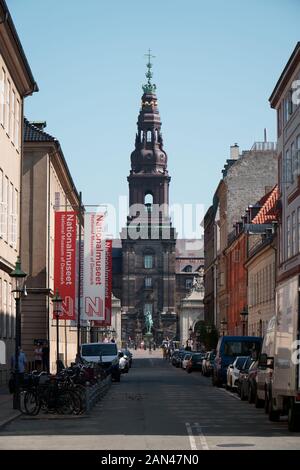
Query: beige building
[[16, 82], [47, 187]]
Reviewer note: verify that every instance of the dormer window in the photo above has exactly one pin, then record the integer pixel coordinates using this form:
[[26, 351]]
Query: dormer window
[[188, 269]]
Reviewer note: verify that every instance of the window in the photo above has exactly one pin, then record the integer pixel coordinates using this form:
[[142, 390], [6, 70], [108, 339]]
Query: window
[[15, 202], [293, 233], [12, 116], [10, 215], [288, 167], [298, 223], [148, 282], [4, 299], [5, 204], [2, 208], [188, 269], [2, 96], [288, 237], [148, 308], [188, 283], [294, 161], [149, 136], [7, 104], [17, 125], [148, 261]]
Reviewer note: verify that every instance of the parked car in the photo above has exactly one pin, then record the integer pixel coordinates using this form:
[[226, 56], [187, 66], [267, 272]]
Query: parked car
[[228, 348], [233, 371], [104, 354], [127, 353], [179, 358], [207, 363], [185, 360], [242, 382], [195, 362]]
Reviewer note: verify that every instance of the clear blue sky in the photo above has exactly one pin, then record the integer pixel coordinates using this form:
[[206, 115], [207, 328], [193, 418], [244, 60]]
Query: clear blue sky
[[215, 68]]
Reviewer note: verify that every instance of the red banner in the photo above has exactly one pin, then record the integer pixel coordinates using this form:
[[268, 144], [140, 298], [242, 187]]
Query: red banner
[[65, 263], [108, 285]]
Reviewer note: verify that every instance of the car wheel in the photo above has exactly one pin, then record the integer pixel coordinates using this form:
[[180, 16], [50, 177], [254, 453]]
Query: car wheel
[[294, 417], [274, 415]]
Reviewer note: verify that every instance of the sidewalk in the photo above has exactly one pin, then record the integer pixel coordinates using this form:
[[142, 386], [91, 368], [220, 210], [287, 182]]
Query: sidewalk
[[7, 413]]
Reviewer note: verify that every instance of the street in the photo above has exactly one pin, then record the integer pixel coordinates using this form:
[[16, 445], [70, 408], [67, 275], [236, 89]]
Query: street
[[155, 407]]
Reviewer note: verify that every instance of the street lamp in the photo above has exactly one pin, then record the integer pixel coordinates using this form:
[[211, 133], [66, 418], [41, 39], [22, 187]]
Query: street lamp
[[57, 309], [19, 277], [244, 315], [223, 324]]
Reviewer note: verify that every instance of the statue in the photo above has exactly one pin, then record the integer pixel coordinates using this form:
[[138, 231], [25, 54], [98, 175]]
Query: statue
[[148, 322]]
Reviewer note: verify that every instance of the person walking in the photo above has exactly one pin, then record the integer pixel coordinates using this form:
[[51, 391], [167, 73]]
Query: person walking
[[38, 357]]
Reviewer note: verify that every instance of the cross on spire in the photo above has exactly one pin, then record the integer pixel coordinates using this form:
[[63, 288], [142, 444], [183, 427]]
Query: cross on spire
[[149, 87]]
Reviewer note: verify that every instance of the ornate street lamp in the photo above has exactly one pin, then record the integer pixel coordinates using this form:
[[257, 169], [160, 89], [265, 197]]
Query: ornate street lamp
[[223, 324], [19, 277], [244, 316], [57, 310]]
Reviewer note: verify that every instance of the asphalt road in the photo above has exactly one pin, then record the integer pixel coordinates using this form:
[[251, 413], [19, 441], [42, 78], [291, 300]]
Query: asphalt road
[[156, 407]]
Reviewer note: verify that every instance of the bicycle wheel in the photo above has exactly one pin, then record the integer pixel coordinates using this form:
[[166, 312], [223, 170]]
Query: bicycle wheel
[[32, 403], [64, 402], [77, 402]]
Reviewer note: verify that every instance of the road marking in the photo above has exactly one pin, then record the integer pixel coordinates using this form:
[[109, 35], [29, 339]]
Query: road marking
[[229, 393], [203, 440], [191, 436]]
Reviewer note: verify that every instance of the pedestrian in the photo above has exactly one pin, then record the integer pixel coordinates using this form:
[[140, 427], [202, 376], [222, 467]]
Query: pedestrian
[[22, 364], [38, 357], [45, 357]]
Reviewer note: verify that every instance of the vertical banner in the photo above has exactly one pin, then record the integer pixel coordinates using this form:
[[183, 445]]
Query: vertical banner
[[94, 267], [108, 285], [65, 262]]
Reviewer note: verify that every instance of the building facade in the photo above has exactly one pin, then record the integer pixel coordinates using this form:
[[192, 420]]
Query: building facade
[[47, 186], [16, 82]]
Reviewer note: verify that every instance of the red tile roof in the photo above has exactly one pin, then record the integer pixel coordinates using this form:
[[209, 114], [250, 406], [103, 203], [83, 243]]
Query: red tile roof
[[268, 212]]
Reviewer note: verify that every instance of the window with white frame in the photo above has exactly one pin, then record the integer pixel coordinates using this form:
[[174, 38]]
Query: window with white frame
[[2, 208], [148, 282], [12, 115], [288, 233], [4, 303], [5, 208], [9, 312], [7, 106], [17, 124], [288, 167], [2, 96], [294, 161], [293, 233]]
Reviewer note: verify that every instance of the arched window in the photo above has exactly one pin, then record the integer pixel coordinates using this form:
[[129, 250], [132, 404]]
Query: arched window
[[148, 261], [149, 136], [188, 269], [142, 136], [156, 135], [148, 202]]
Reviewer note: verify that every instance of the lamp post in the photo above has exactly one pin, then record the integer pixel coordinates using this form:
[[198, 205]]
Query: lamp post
[[244, 315], [19, 277], [57, 308], [223, 324]]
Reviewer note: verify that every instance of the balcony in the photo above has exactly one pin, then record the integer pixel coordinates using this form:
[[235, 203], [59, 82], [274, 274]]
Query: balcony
[[264, 146]]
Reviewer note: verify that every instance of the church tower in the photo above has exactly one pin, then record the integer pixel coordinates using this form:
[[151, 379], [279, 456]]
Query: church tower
[[148, 241]]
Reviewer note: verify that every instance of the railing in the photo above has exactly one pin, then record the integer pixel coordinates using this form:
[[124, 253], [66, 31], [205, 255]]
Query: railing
[[95, 393], [262, 146]]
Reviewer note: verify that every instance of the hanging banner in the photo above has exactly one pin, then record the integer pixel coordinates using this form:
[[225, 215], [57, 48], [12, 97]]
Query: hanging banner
[[108, 285], [94, 267], [65, 262]]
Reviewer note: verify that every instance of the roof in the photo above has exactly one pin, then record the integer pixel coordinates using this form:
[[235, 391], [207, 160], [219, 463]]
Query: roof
[[9, 21], [34, 134], [288, 70], [268, 212]]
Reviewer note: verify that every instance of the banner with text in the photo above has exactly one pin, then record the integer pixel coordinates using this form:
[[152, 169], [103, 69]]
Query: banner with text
[[94, 267], [108, 285], [65, 262]]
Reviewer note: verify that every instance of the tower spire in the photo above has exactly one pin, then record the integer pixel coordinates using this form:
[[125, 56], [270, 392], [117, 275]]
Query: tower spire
[[149, 87]]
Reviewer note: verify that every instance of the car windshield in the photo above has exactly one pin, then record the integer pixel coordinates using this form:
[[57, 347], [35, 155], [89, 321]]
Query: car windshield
[[240, 362], [240, 348], [99, 349]]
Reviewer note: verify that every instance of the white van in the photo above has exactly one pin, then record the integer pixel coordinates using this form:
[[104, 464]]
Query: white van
[[264, 369], [283, 393], [104, 353]]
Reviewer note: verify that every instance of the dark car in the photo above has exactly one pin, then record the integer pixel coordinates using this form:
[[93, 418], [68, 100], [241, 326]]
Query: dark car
[[230, 347], [195, 362], [208, 363], [178, 358]]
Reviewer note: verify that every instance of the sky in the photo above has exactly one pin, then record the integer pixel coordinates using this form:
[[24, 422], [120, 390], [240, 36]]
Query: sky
[[216, 64]]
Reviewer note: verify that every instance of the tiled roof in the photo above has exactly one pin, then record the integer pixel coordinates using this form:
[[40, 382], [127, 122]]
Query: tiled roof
[[34, 134], [268, 211]]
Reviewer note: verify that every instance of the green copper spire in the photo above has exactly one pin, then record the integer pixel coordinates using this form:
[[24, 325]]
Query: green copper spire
[[149, 87]]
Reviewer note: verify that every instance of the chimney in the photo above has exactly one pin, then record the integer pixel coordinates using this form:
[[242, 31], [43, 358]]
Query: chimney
[[234, 151], [39, 124]]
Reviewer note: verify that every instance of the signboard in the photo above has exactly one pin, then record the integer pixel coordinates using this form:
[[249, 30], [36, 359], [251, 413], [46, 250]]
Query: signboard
[[94, 267], [65, 262], [108, 285]]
